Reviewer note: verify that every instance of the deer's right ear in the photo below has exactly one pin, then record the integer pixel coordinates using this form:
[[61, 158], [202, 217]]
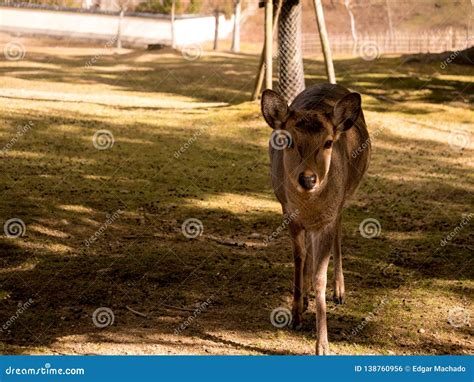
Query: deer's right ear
[[274, 108]]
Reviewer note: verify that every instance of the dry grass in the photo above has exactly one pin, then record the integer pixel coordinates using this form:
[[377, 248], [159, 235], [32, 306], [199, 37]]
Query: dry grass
[[419, 187]]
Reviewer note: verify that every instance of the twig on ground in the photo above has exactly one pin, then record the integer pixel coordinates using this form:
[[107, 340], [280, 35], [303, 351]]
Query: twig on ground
[[177, 308], [135, 312], [228, 243]]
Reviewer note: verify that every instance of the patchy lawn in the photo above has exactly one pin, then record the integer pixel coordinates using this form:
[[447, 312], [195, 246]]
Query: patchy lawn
[[103, 227]]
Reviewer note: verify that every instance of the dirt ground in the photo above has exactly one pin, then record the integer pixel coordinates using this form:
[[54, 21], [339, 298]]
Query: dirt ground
[[104, 265]]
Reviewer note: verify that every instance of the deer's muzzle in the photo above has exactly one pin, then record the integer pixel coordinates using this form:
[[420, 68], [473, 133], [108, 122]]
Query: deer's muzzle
[[307, 182]]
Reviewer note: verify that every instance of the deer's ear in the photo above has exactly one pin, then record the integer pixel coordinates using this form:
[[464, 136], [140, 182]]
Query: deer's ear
[[346, 111], [274, 108]]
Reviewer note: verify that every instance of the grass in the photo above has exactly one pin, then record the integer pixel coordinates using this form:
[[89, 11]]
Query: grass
[[404, 286]]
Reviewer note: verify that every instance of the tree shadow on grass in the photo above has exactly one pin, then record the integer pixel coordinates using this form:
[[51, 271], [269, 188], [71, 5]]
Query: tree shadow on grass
[[394, 81], [230, 78]]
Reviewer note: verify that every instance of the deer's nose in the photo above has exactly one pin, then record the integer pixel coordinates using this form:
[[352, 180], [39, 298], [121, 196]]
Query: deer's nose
[[307, 181]]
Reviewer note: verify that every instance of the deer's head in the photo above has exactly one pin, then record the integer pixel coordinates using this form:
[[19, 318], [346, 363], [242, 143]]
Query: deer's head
[[307, 137]]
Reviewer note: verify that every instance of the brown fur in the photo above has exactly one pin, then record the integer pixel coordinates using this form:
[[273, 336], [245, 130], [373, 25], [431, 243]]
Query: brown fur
[[319, 114]]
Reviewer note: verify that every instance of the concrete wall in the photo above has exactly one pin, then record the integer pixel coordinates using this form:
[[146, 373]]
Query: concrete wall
[[134, 30]]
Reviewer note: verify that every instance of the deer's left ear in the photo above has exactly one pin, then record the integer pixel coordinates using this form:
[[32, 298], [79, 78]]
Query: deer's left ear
[[346, 111]]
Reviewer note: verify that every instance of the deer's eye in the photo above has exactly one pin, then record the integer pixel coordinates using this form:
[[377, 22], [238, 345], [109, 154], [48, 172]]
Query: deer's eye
[[328, 144]]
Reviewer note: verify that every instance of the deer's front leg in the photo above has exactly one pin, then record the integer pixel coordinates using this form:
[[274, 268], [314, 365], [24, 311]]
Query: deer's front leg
[[338, 283], [299, 253], [322, 254]]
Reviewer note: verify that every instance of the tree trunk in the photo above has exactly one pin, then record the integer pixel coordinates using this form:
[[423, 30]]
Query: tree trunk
[[268, 44], [291, 73], [119, 30], [236, 34], [173, 37], [390, 25], [216, 32], [261, 67], [323, 36], [353, 26]]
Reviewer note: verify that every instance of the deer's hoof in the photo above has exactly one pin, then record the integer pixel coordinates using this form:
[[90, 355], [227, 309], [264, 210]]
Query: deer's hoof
[[297, 326], [339, 299], [322, 349], [297, 321]]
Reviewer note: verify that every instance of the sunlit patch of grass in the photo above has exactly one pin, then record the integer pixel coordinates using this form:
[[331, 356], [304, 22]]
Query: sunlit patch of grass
[[28, 265], [47, 231], [22, 154], [54, 248], [76, 208], [238, 203], [458, 77]]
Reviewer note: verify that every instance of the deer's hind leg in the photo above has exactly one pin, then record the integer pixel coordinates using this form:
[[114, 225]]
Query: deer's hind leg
[[338, 280]]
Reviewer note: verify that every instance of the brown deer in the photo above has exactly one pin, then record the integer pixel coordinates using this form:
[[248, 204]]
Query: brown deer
[[316, 169]]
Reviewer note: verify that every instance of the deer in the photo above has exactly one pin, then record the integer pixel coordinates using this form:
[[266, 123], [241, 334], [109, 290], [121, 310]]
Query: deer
[[316, 165]]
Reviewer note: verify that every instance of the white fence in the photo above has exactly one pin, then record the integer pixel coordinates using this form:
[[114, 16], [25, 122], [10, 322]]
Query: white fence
[[135, 30], [433, 41]]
